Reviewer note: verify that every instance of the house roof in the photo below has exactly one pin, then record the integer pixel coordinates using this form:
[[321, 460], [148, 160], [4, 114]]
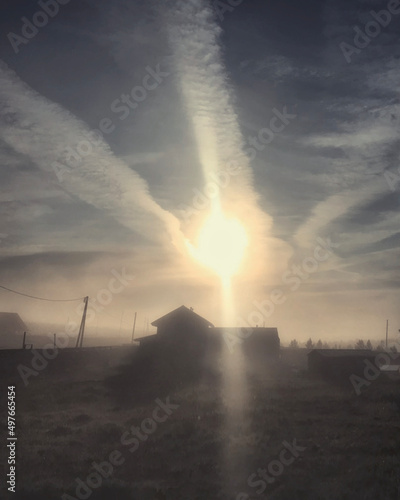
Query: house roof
[[337, 353], [11, 323], [181, 313]]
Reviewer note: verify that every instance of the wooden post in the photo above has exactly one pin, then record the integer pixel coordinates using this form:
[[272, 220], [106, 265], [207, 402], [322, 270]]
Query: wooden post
[[133, 329], [79, 340], [387, 330], [23, 341]]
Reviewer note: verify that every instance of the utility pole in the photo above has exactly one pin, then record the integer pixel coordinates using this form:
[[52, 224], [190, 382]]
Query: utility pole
[[79, 340], [24, 344], [133, 329], [387, 330]]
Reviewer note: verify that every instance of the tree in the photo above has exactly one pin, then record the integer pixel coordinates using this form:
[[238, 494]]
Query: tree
[[360, 344], [309, 344], [325, 345], [368, 345], [294, 344], [319, 344], [380, 346]]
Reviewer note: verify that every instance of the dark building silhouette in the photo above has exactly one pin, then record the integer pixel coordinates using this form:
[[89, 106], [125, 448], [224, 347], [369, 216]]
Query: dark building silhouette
[[255, 342], [12, 329], [185, 331], [181, 328], [180, 321], [339, 363]]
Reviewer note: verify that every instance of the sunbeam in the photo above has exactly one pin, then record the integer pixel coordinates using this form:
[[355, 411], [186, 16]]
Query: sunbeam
[[222, 239]]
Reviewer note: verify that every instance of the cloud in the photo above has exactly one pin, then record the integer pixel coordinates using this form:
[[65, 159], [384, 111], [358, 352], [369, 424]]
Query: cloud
[[42, 130], [372, 136]]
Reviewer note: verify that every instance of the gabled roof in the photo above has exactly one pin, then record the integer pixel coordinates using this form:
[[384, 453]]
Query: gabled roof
[[11, 323], [181, 313], [337, 353]]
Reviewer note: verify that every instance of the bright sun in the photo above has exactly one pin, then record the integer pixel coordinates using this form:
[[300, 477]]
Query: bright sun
[[221, 244]]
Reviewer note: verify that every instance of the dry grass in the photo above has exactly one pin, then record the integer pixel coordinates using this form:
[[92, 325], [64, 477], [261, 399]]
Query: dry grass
[[351, 442]]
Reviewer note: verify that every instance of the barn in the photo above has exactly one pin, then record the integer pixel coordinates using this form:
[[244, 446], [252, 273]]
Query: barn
[[12, 329], [339, 363]]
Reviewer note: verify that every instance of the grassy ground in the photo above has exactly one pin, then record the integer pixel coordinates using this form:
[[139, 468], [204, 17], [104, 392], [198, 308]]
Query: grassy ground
[[350, 444]]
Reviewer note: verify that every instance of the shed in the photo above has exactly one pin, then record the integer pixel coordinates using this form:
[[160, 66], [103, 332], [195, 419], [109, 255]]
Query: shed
[[339, 362]]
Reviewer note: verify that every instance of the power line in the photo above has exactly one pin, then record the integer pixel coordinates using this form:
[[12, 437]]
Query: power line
[[40, 298], [114, 317]]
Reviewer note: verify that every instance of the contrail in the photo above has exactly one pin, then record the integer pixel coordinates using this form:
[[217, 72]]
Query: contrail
[[40, 129], [208, 98]]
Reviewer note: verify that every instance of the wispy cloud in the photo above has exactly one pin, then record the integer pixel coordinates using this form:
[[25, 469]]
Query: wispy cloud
[[41, 130]]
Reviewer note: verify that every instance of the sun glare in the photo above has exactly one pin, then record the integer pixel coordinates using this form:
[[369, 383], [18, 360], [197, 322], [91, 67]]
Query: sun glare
[[221, 245]]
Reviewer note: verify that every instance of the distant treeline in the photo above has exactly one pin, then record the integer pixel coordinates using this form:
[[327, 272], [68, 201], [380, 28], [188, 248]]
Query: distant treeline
[[359, 344]]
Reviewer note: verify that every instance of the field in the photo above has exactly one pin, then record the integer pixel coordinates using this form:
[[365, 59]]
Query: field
[[195, 443]]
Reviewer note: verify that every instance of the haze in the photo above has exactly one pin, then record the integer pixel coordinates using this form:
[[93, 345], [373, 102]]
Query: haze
[[256, 109]]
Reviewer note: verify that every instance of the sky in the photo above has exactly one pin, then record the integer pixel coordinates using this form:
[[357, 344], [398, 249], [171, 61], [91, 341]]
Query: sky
[[124, 123]]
